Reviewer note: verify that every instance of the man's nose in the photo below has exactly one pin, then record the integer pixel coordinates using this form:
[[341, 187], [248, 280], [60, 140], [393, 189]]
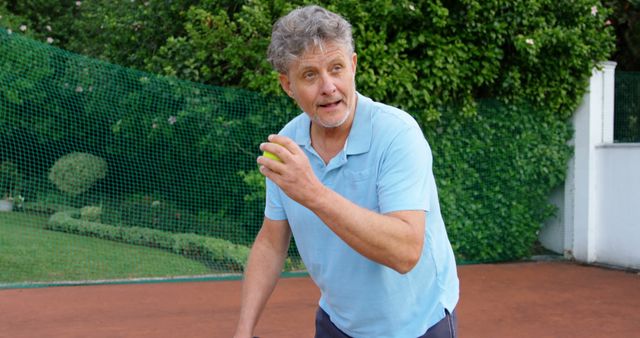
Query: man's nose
[[328, 84]]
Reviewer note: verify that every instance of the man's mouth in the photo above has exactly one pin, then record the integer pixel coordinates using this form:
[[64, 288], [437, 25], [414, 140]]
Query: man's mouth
[[330, 104]]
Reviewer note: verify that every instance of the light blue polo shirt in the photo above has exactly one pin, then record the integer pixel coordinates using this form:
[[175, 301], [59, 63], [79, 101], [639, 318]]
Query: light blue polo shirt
[[385, 166]]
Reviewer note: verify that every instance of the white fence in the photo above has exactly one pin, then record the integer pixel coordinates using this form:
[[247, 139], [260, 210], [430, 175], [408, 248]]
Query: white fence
[[599, 205]]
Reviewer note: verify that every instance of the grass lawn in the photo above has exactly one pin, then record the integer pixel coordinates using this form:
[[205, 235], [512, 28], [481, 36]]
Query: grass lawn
[[29, 253]]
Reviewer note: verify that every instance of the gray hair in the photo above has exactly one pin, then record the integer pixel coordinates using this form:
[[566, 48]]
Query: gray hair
[[302, 28]]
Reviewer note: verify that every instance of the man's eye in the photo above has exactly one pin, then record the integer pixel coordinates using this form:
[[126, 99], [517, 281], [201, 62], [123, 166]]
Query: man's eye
[[337, 68], [308, 75]]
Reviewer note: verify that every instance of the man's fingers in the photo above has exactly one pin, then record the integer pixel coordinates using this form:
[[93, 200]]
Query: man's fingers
[[286, 142]]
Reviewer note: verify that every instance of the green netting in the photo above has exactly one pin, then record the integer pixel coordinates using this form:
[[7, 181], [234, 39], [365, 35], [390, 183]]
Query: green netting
[[118, 173], [627, 107]]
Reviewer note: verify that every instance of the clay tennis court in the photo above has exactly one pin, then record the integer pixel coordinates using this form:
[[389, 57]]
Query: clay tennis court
[[535, 299]]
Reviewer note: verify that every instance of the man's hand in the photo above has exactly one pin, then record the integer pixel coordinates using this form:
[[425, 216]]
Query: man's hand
[[293, 174]]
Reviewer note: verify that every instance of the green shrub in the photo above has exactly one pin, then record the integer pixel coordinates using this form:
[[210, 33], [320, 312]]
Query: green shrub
[[232, 256], [418, 55], [154, 212], [75, 173], [91, 213], [223, 226], [218, 253], [41, 19], [494, 174], [151, 211]]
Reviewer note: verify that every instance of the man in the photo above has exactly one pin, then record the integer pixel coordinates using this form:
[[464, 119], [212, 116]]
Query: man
[[354, 186]]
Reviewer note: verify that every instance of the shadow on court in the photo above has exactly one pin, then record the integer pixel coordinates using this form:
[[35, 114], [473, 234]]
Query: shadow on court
[[537, 299]]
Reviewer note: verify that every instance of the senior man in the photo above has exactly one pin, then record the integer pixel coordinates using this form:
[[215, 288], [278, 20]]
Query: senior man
[[354, 185]]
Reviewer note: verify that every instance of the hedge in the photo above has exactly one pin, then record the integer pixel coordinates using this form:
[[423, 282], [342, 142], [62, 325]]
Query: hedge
[[215, 252], [494, 176]]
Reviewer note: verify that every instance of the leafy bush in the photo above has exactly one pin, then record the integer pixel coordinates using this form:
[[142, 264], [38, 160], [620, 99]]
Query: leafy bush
[[40, 19], [210, 249], [154, 212], [142, 210], [418, 55], [75, 173], [218, 253], [91, 213], [220, 225], [494, 174]]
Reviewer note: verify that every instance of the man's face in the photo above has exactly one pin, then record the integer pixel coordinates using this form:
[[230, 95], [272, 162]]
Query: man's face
[[322, 82]]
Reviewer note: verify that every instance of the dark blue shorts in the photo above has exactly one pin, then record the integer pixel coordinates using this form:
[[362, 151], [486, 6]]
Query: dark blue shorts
[[445, 328]]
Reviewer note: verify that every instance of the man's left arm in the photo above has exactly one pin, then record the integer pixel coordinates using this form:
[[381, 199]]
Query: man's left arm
[[395, 239]]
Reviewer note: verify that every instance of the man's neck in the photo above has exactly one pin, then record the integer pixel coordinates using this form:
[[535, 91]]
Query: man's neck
[[328, 142]]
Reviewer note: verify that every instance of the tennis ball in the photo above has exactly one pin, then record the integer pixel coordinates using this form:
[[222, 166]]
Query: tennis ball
[[271, 156]]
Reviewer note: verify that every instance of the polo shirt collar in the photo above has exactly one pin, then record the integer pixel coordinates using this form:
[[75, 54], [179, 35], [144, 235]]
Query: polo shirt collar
[[361, 133]]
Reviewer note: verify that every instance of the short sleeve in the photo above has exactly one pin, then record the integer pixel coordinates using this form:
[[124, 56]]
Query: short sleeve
[[273, 208], [406, 173]]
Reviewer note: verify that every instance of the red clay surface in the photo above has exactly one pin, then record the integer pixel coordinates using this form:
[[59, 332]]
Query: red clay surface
[[538, 299]]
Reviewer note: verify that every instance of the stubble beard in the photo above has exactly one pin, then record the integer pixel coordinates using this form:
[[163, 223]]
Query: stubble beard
[[349, 110], [318, 120]]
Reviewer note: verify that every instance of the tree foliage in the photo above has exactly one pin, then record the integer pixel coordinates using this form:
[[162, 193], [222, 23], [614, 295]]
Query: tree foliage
[[77, 172], [418, 55]]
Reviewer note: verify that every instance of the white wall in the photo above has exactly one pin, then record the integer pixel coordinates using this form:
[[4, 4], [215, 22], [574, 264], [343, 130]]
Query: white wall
[[618, 230], [599, 205]]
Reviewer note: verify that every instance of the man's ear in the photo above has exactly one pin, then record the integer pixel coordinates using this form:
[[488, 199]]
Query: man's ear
[[354, 61], [285, 84]]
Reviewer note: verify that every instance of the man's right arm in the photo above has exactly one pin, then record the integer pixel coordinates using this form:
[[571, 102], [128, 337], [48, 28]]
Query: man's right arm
[[266, 260]]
